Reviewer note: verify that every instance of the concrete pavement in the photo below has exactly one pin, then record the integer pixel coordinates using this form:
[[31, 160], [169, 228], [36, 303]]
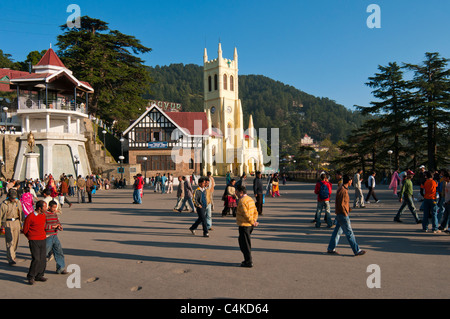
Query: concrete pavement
[[146, 251]]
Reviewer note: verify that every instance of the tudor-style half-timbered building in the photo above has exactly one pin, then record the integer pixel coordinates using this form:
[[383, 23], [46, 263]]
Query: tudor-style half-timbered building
[[167, 142]]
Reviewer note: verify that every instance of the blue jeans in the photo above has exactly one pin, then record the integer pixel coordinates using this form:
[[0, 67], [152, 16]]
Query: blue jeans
[[54, 245], [430, 211], [137, 196], [320, 207], [343, 226], [191, 203], [201, 212], [208, 216], [445, 219]]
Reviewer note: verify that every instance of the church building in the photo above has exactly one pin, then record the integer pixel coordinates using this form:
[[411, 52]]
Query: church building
[[233, 148]]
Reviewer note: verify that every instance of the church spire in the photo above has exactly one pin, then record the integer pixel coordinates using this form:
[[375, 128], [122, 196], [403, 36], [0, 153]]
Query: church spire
[[220, 51], [205, 56]]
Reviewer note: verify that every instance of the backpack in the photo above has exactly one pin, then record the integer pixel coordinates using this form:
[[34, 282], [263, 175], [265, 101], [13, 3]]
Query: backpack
[[324, 192]]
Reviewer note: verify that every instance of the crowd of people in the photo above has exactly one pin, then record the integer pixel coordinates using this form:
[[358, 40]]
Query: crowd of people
[[434, 193], [23, 210], [32, 207]]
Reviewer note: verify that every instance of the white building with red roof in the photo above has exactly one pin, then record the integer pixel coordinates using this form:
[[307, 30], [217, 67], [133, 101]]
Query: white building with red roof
[[51, 104]]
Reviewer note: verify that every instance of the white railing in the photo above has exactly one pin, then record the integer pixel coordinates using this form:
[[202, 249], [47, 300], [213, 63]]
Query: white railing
[[27, 103]]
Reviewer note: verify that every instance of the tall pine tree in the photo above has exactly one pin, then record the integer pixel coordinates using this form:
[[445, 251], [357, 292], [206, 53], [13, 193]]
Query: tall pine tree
[[391, 107], [108, 60], [431, 104]]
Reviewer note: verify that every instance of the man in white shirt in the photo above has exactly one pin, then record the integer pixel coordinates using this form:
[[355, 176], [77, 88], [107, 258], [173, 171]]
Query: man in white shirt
[[359, 197], [371, 186]]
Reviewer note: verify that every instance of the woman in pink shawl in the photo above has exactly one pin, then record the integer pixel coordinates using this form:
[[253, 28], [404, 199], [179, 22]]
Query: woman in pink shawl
[[27, 202], [394, 182], [52, 186]]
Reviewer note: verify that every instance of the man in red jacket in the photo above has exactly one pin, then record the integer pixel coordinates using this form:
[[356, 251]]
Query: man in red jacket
[[323, 191], [34, 230]]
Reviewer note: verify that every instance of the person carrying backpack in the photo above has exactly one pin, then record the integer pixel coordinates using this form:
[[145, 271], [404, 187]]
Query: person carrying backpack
[[323, 191]]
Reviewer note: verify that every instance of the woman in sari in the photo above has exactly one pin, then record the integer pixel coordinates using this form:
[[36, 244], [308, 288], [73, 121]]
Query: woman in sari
[[51, 185], [275, 187], [27, 202], [394, 182], [230, 199]]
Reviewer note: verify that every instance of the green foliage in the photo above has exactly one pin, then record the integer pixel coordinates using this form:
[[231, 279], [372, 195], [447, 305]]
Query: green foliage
[[409, 117], [108, 60], [272, 104]]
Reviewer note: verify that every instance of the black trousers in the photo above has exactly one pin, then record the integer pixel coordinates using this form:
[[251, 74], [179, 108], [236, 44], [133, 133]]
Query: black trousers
[[259, 203], [245, 243], [371, 192], [38, 259]]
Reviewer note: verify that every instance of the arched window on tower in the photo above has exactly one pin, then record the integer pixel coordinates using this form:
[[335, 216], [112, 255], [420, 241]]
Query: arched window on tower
[[231, 83], [209, 84], [225, 80], [215, 81]]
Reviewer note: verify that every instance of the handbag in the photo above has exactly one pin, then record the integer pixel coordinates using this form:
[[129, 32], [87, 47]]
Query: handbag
[[264, 199]]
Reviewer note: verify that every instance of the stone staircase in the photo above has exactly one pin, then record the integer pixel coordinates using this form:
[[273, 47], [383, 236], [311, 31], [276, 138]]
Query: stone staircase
[[99, 160]]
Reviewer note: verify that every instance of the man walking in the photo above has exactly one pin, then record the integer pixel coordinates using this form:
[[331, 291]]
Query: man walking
[[11, 220], [137, 186], [406, 196], [208, 212], [258, 190], [429, 203], [200, 204], [246, 219], [343, 225], [180, 193], [359, 197], [371, 186], [89, 187], [34, 230], [212, 184], [187, 195], [81, 186], [323, 191]]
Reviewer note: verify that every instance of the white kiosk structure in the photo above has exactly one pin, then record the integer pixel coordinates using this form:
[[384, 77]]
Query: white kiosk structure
[[52, 104]]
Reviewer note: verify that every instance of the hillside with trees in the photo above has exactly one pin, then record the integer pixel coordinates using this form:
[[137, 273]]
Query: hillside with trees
[[273, 104]]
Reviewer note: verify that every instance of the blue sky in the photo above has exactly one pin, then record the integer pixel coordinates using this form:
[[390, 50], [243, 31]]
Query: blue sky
[[321, 47]]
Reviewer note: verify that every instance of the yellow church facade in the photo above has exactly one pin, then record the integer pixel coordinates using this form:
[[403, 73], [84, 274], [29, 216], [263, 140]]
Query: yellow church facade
[[231, 146]]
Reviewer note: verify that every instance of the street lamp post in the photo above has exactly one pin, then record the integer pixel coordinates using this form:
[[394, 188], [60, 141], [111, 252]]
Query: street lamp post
[[145, 169], [121, 158], [121, 145], [76, 162], [390, 166], [104, 140]]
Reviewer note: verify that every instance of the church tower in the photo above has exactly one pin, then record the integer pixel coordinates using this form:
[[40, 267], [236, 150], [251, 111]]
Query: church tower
[[229, 149], [221, 90], [221, 101]]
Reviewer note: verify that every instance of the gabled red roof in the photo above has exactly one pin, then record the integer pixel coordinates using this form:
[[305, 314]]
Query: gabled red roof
[[11, 74], [50, 58], [187, 120]]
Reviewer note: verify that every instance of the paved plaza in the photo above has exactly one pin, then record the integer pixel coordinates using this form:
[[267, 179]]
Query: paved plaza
[[146, 251]]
